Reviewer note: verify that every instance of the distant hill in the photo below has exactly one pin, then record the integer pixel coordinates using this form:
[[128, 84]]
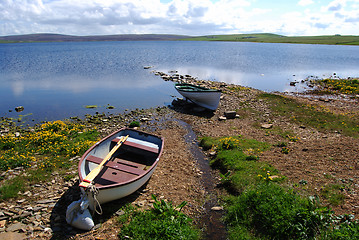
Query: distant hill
[[45, 37], [274, 38], [254, 37]]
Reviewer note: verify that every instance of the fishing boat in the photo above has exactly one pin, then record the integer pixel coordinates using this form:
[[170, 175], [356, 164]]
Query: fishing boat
[[204, 97], [132, 158]]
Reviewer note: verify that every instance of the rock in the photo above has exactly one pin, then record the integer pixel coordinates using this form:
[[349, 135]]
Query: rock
[[144, 119], [141, 203], [217, 208], [16, 227], [222, 118], [324, 99], [212, 153], [2, 223], [12, 236], [267, 125], [19, 109], [230, 114]]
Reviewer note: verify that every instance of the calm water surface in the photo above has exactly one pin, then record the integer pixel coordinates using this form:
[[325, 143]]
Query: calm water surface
[[57, 80]]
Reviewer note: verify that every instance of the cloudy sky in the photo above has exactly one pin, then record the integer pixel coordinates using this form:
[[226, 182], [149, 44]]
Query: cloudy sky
[[186, 17]]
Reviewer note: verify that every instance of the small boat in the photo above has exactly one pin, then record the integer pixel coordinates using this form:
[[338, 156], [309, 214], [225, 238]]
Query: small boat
[[128, 168], [204, 97]]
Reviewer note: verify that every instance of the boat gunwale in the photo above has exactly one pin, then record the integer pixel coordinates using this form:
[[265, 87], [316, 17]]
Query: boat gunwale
[[86, 154], [204, 89]]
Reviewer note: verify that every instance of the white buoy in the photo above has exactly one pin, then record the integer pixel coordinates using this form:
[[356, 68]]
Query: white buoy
[[78, 215]]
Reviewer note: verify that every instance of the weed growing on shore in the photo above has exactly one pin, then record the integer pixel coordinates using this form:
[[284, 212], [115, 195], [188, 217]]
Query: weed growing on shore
[[43, 149], [163, 221], [338, 86], [259, 206], [313, 115]]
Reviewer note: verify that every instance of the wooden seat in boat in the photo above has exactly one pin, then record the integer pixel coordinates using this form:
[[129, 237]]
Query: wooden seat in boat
[[121, 165], [139, 144]]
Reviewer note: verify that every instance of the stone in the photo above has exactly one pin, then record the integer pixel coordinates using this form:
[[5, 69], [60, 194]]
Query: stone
[[144, 119], [222, 118], [19, 109], [230, 114], [267, 125], [217, 208], [12, 236], [16, 227], [2, 223]]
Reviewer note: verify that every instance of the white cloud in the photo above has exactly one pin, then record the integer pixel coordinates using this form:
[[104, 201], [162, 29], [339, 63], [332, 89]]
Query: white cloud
[[192, 17], [305, 2]]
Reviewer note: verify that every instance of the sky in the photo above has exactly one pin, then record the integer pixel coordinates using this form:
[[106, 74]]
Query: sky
[[183, 17]]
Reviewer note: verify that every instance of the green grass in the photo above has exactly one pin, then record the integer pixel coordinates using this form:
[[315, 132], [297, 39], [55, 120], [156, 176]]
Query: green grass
[[333, 194], [260, 205], [337, 86], [313, 116], [274, 38], [163, 221], [274, 212], [47, 148]]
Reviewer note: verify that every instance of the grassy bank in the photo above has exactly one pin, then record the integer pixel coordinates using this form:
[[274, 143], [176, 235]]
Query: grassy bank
[[40, 151], [261, 204], [274, 38]]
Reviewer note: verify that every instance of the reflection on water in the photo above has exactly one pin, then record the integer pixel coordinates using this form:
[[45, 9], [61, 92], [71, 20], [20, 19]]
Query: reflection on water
[[78, 83], [56, 80]]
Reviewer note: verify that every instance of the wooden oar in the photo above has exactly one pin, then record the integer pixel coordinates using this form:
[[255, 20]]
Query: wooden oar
[[91, 176]]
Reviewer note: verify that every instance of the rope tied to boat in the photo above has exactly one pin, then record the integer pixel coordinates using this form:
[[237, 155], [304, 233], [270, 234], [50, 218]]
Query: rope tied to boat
[[94, 191]]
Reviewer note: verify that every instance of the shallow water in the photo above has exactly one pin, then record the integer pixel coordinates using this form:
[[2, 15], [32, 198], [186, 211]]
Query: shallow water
[[210, 220], [57, 80]]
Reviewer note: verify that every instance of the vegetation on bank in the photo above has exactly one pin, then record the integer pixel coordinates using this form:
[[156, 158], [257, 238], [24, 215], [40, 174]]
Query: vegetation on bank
[[312, 115], [261, 204], [274, 38], [163, 221], [348, 86], [41, 151]]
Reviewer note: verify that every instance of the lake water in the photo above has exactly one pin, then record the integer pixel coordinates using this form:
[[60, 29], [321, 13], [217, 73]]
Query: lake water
[[57, 80]]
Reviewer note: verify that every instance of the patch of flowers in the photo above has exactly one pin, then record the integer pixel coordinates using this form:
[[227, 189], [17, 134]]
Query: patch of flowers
[[345, 86], [229, 143], [45, 146]]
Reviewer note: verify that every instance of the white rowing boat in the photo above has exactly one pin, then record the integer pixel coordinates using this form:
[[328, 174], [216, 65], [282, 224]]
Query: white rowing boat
[[204, 97], [130, 166]]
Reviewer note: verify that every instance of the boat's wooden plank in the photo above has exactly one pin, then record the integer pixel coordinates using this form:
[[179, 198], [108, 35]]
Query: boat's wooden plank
[[129, 163], [117, 165], [137, 145], [113, 176]]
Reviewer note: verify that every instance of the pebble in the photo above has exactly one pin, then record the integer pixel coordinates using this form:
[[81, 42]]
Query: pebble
[[217, 208], [267, 125]]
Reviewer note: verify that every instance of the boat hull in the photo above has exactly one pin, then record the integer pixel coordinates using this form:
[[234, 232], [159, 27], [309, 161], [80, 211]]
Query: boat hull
[[131, 166], [207, 98]]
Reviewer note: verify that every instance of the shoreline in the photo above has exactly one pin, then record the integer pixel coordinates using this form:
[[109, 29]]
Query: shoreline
[[179, 176]]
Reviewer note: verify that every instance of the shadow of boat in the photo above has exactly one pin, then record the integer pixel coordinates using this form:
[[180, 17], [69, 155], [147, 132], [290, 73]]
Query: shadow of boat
[[190, 108], [62, 230]]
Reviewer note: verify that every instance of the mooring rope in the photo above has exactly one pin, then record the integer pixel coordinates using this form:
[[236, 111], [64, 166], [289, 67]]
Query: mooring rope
[[94, 192]]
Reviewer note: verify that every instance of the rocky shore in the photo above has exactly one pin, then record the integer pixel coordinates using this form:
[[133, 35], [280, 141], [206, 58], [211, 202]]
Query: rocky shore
[[40, 212]]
